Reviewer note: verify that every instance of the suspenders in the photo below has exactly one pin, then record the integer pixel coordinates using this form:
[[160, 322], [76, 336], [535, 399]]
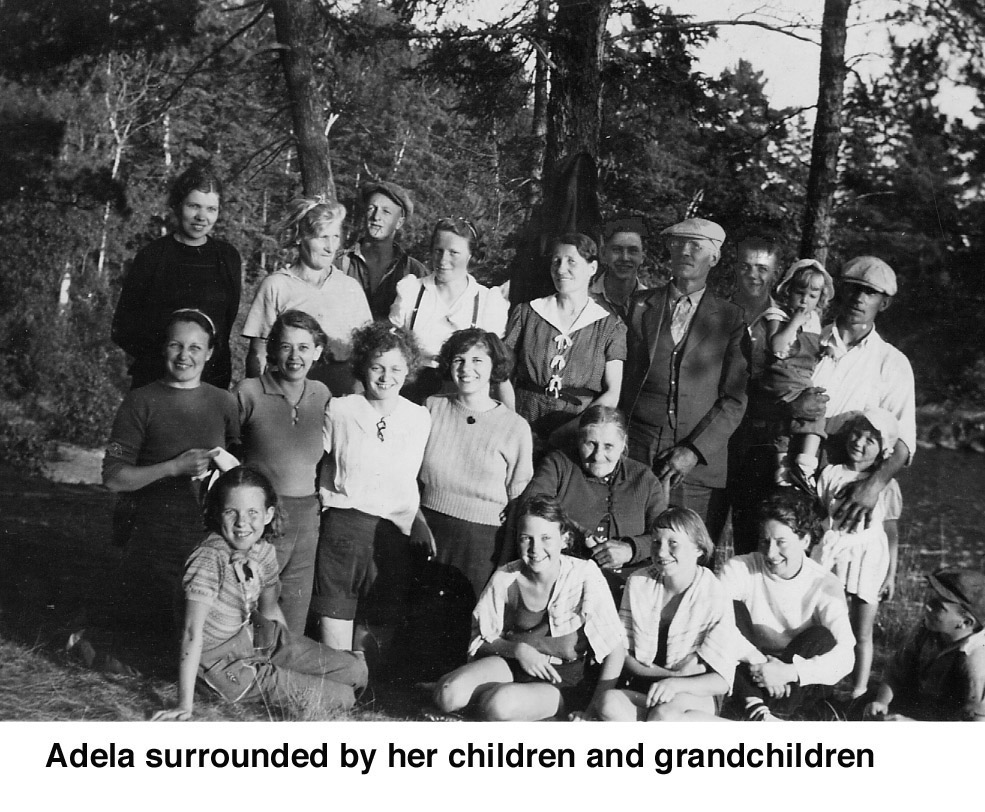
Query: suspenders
[[417, 306]]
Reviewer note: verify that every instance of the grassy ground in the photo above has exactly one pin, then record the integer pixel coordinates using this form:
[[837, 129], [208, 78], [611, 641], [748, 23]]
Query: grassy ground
[[57, 562]]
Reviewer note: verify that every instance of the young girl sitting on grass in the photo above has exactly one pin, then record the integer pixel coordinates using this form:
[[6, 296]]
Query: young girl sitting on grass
[[863, 559], [533, 627], [235, 639], [680, 629], [794, 336]]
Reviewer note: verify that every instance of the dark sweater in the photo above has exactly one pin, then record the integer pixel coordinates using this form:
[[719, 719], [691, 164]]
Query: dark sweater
[[637, 498], [167, 275]]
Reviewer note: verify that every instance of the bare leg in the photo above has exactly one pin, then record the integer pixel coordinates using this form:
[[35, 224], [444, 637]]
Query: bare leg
[[863, 617], [520, 702], [684, 708], [464, 685]]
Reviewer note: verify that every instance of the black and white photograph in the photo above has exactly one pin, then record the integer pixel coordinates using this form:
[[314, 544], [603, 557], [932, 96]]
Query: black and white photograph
[[443, 361]]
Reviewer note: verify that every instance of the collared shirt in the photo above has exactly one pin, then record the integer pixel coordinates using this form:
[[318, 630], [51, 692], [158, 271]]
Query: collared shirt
[[674, 296], [871, 373], [281, 438], [580, 599], [703, 623], [418, 308], [597, 291], [354, 264], [210, 579], [378, 477], [781, 608], [337, 304]]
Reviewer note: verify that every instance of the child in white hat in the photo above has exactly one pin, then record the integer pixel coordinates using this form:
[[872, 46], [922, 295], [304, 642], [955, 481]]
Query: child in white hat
[[864, 559]]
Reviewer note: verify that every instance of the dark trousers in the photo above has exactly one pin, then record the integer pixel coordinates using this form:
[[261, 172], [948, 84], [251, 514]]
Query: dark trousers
[[646, 443], [809, 643], [751, 476]]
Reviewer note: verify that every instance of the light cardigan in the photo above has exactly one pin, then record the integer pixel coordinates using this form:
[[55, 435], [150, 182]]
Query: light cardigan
[[703, 623], [471, 471], [780, 609], [364, 473], [580, 599]]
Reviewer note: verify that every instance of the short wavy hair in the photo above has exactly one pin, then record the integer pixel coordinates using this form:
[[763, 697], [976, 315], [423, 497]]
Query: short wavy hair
[[298, 320], [304, 216], [462, 340], [378, 337], [793, 507], [798, 277], [200, 176], [582, 243], [243, 476], [688, 523], [549, 509]]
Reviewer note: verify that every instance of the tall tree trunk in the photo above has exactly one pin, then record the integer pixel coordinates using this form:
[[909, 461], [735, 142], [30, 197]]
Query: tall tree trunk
[[574, 122], [294, 22], [574, 109], [816, 235], [538, 127]]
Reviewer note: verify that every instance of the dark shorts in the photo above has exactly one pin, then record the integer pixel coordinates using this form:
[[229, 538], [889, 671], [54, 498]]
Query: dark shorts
[[365, 568]]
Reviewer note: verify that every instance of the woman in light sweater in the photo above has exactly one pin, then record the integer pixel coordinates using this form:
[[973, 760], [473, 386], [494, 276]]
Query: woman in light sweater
[[477, 460], [791, 612]]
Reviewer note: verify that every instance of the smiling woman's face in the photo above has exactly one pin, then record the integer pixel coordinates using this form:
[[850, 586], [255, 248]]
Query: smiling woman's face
[[600, 446], [570, 271], [783, 550]]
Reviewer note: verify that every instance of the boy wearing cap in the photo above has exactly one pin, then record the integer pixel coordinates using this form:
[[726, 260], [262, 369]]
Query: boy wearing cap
[[684, 390], [622, 255], [862, 558], [939, 674], [858, 370], [377, 261]]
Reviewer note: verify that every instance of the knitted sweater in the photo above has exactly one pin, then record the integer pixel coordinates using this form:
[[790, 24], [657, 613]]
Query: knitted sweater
[[471, 470], [780, 609]]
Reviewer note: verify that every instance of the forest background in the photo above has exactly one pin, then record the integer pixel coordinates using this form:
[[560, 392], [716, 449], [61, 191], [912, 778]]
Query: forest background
[[103, 102]]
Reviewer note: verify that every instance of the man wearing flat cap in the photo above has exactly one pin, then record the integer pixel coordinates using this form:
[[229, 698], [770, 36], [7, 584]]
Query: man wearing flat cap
[[858, 370], [377, 261], [684, 388]]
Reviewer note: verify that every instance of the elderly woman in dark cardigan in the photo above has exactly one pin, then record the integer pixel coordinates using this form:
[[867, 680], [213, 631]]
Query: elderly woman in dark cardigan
[[612, 498]]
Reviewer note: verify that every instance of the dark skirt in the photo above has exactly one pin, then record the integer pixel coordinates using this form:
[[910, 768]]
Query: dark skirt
[[436, 635], [167, 526]]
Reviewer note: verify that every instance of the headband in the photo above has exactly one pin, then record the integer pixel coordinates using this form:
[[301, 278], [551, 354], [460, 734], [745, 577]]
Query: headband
[[187, 310]]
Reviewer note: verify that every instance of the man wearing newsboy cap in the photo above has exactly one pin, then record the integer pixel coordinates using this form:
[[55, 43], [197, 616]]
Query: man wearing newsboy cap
[[377, 261], [857, 371], [684, 389]]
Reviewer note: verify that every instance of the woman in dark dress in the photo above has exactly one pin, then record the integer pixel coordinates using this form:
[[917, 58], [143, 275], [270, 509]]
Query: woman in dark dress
[[185, 269]]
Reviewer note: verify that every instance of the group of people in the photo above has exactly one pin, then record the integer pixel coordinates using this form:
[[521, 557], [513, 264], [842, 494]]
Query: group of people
[[426, 471]]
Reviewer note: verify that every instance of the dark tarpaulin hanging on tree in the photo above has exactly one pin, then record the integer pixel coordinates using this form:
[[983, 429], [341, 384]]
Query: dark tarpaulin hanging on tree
[[571, 204]]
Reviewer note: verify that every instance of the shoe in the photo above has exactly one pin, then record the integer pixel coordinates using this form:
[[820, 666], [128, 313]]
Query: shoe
[[761, 713]]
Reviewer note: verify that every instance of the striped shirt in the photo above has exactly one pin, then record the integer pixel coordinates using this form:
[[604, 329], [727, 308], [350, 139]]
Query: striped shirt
[[580, 599], [703, 623], [211, 578]]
